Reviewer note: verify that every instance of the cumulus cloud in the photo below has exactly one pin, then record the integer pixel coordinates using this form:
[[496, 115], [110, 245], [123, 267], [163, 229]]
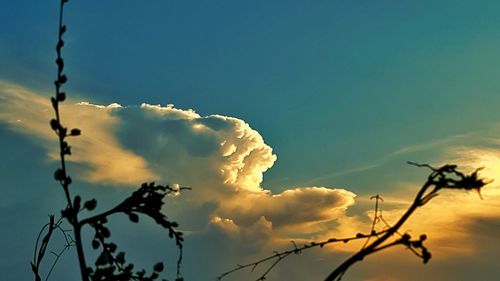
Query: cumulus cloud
[[292, 207], [221, 157], [250, 238], [182, 146]]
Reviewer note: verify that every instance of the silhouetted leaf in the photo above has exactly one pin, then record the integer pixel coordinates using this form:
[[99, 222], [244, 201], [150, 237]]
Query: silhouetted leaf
[[90, 205], [76, 203], [63, 79], [54, 124], [133, 217], [105, 232], [60, 63], [426, 256], [75, 132], [68, 181], [59, 174], [158, 267], [103, 259], [154, 275], [112, 247], [120, 258], [95, 244], [61, 97], [406, 237], [66, 149]]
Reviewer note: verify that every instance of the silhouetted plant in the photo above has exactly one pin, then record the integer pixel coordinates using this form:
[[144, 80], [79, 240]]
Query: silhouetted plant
[[147, 200], [445, 177], [41, 246]]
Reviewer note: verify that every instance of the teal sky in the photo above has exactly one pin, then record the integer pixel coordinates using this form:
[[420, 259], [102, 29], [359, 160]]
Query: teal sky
[[344, 92], [330, 85]]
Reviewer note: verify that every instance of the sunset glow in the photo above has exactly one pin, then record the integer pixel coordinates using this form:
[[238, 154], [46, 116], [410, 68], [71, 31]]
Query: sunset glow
[[278, 125]]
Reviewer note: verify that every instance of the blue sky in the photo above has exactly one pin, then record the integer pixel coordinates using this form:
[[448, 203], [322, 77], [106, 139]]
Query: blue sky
[[341, 92]]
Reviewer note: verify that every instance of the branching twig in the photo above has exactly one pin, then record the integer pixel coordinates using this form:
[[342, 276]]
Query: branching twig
[[61, 174], [445, 177], [147, 200], [39, 252], [378, 199], [58, 255], [279, 256]]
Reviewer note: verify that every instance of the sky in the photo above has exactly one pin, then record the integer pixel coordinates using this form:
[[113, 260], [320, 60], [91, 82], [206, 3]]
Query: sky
[[284, 117]]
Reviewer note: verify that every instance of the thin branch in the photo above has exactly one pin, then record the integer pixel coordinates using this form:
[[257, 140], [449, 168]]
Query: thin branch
[[279, 256], [61, 174], [39, 252], [445, 177], [375, 217], [57, 257], [147, 200], [123, 206]]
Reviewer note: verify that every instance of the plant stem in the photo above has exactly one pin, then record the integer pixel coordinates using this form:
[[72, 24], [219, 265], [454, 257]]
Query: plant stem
[[72, 211], [341, 269]]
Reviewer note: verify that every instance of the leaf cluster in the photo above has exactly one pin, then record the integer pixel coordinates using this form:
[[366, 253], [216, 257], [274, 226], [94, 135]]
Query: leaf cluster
[[147, 200]]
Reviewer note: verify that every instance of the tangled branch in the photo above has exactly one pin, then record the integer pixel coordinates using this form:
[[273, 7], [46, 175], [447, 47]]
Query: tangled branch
[[42, 246], [147, 200], [445, 177], [277, 257]]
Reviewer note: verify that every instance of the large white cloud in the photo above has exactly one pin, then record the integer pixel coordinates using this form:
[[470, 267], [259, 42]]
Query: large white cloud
[[184, 147], [222, 158]]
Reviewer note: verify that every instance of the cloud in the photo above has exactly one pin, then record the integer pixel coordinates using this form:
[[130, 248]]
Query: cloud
[[481, 263], [250, 238], [100, 153], [222, 158], [292, 207], [182, 146], [117, 140]]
